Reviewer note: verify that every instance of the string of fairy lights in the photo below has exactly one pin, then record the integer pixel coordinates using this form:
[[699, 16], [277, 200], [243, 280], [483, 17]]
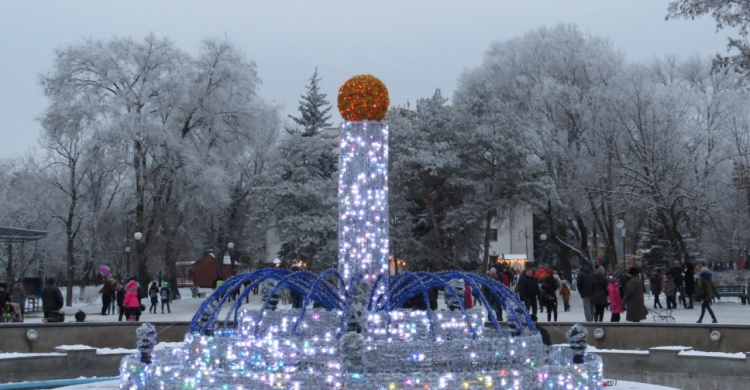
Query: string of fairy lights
[[359, 327]]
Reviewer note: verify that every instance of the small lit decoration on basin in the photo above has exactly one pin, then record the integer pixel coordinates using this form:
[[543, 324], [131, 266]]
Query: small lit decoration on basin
[[359, 327]]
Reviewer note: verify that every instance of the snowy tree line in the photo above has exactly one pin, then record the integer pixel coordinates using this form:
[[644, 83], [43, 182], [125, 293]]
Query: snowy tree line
[[142, 136]]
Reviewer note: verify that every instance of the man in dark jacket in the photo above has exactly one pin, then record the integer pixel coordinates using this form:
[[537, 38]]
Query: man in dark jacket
[[52, 299], [585, 285], [676, 273], [528, 290]]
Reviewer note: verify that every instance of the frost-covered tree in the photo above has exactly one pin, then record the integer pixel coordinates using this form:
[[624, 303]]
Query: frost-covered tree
[[68, 127], [554, 81], [313, 108], [178, 121], [500, 155], [303, 202], [428, 170], [727, 13]]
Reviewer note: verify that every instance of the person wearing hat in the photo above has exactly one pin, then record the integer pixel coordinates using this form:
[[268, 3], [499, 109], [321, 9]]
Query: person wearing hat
[[706, 291], [615, 300], [634, 301], [166, 295], [153, 294]]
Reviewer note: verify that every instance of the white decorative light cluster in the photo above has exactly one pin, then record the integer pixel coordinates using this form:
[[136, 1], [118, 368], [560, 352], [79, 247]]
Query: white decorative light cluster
[[363, 201], [405, 349], [366, 339]]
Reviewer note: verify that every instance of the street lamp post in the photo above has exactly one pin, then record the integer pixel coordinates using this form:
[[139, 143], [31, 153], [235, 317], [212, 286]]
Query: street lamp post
[[526, 236], [137, 236], [621, 225], [230, 246], [127, 258]]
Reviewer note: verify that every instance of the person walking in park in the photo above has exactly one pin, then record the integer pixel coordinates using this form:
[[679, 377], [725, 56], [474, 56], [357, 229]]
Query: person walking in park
[[655, 284], [585, 285], [600, 296], [549, 296], [132, 301], [670, 291], [52, 299], [615, 299], [706, 291], [153, 294], [565, 295], [634, 303], [107, 291], [677, 277], [166, 297], [528, 290]]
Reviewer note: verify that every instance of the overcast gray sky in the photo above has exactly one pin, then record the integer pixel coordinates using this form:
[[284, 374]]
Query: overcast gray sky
[[414, 46]]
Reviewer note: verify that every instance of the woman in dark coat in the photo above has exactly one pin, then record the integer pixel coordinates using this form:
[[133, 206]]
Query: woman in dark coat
[[634, 303], [706, 291], [599, 298], [655, 283]]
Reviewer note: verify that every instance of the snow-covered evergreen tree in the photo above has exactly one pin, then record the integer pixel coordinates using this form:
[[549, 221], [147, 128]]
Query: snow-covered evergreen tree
[[313, 108]]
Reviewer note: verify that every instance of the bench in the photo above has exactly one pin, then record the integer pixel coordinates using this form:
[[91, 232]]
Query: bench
[[738, 291], [197, 293], [33, 304]]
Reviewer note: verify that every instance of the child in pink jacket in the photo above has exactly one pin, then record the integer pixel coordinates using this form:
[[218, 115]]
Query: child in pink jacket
[[132, 302], [615, 300]]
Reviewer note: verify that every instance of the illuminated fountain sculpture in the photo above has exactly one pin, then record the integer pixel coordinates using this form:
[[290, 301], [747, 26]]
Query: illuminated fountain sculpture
[[359, 333]]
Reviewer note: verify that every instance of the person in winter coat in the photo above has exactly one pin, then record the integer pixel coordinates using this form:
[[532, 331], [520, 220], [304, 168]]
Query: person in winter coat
[[705, 292], [585, 284], [528, 290], [670, 291], [4, 297], [565, 294], [689, 284], [132, 302], [549, 296], [677, 277], [17, 295], [166, 296], [615, 300], [636, 307], [599, 298], [655, 284], [52, 299], [153, 294], [107, 292], [120, 297]]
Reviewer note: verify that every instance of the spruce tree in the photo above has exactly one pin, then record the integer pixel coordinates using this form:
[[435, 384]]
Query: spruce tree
[[314, 109]]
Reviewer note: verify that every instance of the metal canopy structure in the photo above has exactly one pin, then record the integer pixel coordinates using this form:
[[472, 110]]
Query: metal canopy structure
[[15, 235]]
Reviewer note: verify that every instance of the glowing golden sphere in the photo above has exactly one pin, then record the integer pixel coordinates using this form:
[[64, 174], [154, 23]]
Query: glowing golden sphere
[[363, 98]]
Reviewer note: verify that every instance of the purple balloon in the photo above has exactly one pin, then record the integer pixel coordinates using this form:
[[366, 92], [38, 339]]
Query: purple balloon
[[104, 270]]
